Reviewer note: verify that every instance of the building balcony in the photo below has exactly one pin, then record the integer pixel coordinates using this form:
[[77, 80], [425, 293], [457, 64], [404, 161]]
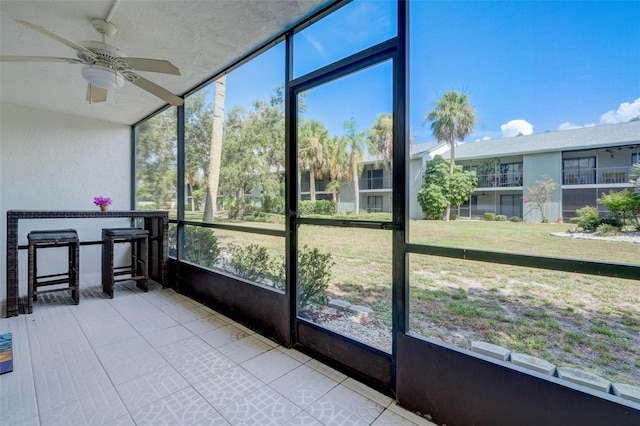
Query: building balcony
[[375, 183], [604, 176], [501, 180]]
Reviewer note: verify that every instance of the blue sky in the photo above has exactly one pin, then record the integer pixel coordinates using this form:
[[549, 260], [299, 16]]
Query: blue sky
[[528, 67]]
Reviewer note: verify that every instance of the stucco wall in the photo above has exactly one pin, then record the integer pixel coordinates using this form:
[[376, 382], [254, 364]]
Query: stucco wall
[[535, 167], [53, 161]]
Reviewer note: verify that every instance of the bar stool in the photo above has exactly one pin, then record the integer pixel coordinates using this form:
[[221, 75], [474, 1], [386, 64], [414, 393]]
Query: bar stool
[[53, 239], [137, 269]]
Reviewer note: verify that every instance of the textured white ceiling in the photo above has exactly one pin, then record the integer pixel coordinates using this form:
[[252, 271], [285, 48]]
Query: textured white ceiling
[[199, 37]]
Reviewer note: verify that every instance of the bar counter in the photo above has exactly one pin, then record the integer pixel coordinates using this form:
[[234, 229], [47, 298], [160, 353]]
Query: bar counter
[[155, 221]]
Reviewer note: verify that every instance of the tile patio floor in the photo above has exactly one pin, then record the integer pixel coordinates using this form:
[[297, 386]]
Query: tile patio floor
[[159, 358]]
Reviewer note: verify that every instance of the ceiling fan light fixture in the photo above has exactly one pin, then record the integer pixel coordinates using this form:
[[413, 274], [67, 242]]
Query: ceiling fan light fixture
[[103, 76]]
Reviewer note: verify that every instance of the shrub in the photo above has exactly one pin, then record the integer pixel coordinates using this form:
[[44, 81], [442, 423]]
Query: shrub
[[574, 220], [314, 273], [545, 219], [500, 218], [489, 216], [607, 229], [251, 262], [200, 245], [515, 219], [588, 218], [321, 207], [272, 204], [453, 217]]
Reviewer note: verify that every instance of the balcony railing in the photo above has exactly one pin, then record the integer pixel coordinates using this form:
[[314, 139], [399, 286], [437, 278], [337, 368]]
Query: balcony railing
[[604, 175], [375, 183], [510, 179], [321, 186]]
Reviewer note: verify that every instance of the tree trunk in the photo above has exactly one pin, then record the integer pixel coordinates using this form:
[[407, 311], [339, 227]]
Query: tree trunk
[[312, 183], [356, 189], [452, 145], [215, 157]]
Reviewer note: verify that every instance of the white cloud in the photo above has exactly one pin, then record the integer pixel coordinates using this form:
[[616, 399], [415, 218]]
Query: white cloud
[[625, 112], [485, 138], [516, 127], [317, 45], [568, 126]]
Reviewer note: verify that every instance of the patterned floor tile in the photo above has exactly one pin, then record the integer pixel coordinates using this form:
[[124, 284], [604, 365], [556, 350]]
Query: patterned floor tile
[[303, 419], [130, 359], [343, 406], [326, 370], [168, 336], [151, 387], [122, 421], [18, 401], [271, 365], [195, 360], [261, 408], [224, 335], [367, 392], [227, 387], [185, 407], [304, 385], [204, 325], [97, 408], [214, 420], [244, 349], [68, 358]]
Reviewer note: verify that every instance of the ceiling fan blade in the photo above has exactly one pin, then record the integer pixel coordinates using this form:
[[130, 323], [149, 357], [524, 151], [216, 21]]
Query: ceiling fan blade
[[158, 91], [38, 59], [48, 33], [153, 65], [96, 94]]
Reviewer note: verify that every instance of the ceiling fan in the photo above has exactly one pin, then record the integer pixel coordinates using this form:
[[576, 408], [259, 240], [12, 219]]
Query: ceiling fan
[[105, 67]]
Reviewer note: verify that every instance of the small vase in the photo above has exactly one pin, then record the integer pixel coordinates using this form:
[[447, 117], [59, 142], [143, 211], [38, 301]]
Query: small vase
[[104, 207]]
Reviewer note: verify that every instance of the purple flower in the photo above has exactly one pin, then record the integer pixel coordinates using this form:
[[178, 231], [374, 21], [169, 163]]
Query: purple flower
[[101, 201]]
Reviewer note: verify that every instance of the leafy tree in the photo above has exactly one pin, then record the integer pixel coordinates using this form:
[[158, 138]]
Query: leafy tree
[[452, 119], [541, 194], [357, 143], [440, 189], [198, 115], [461, 186], [156, 147]]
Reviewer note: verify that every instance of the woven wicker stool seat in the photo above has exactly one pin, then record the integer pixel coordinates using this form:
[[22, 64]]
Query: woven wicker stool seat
[[137, 270], [37, 283]]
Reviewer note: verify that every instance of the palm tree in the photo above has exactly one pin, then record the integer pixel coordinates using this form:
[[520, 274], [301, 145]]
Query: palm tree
[[337, 166], [312, 138], [357, 143], [215, 156], [381, 135], [452, 119]]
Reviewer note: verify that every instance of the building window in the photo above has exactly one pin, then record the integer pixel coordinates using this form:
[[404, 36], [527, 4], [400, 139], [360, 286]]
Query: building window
[[635, 158], [374, 203], [579, 171], [374, 179], [511, 174]]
